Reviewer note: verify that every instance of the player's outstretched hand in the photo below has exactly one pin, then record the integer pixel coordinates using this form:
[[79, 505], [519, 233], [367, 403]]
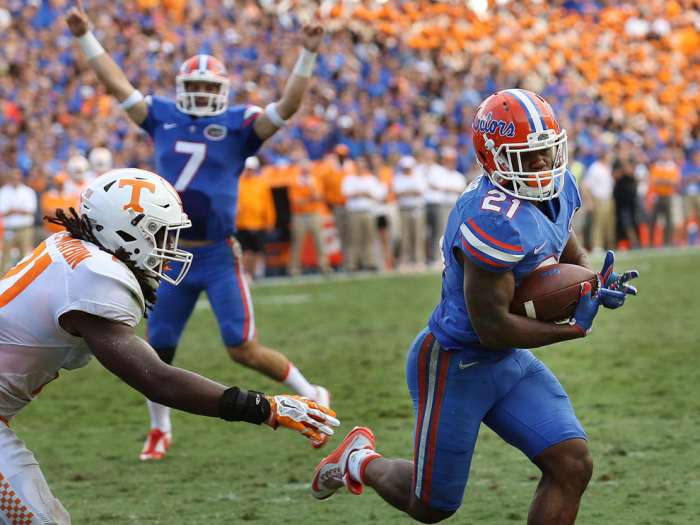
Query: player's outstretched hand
[[312, 34], [588, 305], [613, 281], [77, 20], [298, 413]]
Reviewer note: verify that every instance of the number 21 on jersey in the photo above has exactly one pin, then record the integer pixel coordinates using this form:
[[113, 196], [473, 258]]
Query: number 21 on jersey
[[492, 200]]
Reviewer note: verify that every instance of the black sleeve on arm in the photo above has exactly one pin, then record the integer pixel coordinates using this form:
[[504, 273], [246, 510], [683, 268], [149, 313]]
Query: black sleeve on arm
[[237, 404]]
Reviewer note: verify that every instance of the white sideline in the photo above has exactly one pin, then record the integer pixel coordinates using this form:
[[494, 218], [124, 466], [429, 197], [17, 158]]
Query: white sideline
[[300, 298], [650, 253]]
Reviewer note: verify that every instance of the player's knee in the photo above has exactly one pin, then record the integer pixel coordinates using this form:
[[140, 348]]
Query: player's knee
[[245, 353], [166, 354], [34, 497], [424, 514], [581, 470], [433, 518], [59, 514], [571, 466], [578, 468], [162, 337]]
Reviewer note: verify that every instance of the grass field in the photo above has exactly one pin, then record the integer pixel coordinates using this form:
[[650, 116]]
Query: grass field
[[635, 383]]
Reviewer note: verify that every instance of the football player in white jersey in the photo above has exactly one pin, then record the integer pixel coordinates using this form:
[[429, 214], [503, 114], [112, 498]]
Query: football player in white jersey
[[81, 293]]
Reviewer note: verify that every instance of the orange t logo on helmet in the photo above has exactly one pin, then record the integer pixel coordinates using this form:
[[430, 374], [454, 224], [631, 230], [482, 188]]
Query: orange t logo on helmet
[[136, 187]]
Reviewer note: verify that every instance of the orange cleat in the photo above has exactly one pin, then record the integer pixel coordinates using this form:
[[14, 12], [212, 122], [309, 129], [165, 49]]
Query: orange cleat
[[331, 473], [156, 445]]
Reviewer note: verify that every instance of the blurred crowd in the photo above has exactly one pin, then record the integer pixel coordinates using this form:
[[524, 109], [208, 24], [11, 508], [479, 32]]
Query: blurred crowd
[[396, 86]]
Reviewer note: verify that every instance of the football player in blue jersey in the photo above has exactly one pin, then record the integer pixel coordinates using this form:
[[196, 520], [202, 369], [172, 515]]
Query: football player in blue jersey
[[470, 364], [200, 147]]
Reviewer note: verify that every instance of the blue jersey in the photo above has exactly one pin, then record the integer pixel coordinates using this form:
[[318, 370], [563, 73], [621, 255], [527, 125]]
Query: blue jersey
[[498, 233], [202, 157]]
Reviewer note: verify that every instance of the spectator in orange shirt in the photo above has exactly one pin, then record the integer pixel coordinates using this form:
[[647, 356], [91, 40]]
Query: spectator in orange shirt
[[664, 178], [306, 200], [57, 197], [255, 217], [332, 189]]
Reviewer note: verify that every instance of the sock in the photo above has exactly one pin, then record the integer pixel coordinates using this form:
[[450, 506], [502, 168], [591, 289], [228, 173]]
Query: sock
[[297, 382], [160, 416], [358, 461]]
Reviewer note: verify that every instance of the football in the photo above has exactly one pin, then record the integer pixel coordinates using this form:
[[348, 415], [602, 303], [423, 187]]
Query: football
[[551, 293]]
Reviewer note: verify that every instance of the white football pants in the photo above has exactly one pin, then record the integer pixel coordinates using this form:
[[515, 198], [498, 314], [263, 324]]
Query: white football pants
[[25, 497]]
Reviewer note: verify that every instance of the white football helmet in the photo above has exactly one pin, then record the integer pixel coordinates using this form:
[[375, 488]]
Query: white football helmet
[[141, 212], [77, 167], [100, 160]]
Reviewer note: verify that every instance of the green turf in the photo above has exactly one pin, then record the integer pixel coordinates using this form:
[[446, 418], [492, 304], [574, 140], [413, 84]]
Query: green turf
[[635, 383]]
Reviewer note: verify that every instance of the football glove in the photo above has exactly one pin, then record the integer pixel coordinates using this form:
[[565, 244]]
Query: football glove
[[613, 281], [588, 305], [298, 413]]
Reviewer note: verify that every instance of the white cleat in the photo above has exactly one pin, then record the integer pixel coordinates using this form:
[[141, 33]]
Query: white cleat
[[331, 473], [156, 445]]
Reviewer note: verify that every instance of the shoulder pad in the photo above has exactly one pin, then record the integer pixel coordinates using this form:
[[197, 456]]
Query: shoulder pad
[[490, 239], [105, 264], [571, 188], [161, 108], [242, 116]]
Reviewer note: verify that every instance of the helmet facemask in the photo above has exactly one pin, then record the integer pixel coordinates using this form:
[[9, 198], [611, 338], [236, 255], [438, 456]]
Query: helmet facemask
[[510, 160], [198, 102], [165, 251]]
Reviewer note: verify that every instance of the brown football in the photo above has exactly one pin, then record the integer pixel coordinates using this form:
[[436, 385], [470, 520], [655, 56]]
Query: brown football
[[551, 293]]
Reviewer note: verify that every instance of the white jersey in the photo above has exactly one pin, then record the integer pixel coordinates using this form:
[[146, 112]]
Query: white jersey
[[62, 274]]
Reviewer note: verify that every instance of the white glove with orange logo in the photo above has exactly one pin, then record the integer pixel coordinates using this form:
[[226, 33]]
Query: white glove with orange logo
[[298, 413]]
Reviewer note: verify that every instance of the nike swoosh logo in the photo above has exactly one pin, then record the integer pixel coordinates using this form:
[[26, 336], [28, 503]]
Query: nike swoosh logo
[[462, 366], [169, 125], [539, 248]]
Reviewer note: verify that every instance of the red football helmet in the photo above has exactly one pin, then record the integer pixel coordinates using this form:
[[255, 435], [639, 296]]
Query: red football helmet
[[191, 95], [507, 127]]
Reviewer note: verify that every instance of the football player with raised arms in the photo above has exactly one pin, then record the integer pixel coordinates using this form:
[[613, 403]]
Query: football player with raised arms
[[200, 146], [81, 293], [470, 364]]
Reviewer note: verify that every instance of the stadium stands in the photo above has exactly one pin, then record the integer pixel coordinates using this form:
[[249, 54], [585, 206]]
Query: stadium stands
[[394, 77]]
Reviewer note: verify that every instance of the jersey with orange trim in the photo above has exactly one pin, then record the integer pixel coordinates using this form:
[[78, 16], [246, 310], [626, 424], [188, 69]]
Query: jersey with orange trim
[[498, 233], [61, 274]]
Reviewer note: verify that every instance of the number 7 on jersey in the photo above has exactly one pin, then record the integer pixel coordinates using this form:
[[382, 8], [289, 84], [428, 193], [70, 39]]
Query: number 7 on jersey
[[197, 152]]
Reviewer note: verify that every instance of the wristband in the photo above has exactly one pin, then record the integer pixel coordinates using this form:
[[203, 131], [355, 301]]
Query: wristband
[[90, 45], [131, 100], [305, 63], [250, 406], [274, 115]]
